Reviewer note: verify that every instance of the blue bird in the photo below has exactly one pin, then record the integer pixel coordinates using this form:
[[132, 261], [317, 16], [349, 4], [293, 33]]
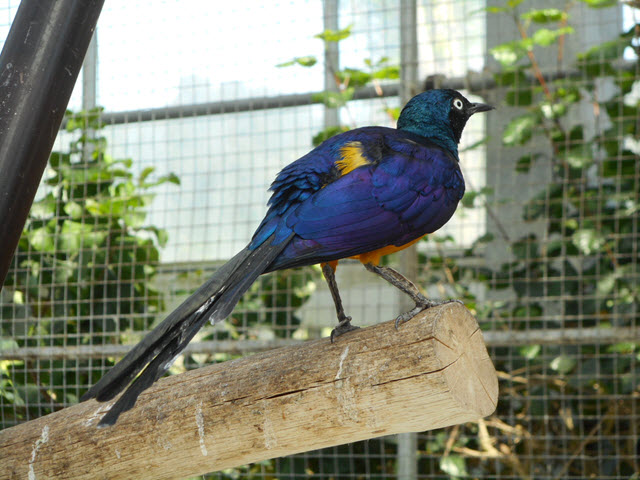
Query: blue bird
[[361, 194]]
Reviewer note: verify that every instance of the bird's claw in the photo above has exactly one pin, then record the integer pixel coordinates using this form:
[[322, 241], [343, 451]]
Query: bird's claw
[[423, 305], [343, 327], [406, 316]]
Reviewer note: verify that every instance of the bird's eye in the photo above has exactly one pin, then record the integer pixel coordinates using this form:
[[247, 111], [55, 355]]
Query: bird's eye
[[458, 103]]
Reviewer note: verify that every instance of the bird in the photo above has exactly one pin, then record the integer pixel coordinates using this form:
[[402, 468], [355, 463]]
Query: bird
[[361, 194]]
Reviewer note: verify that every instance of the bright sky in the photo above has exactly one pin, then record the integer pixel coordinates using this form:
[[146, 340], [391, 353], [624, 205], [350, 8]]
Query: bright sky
[[151, 51]]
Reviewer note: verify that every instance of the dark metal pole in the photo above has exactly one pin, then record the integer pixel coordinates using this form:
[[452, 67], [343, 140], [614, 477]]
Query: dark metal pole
[[39, 65]]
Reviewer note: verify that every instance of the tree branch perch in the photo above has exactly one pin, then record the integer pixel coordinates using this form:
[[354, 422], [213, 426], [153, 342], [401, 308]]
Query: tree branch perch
[[434, 371]]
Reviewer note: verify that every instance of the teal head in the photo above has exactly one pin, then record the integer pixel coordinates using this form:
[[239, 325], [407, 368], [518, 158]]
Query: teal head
[[439, 115]]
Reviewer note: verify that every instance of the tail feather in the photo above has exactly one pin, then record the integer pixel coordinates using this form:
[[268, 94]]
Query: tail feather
[[213, 301]]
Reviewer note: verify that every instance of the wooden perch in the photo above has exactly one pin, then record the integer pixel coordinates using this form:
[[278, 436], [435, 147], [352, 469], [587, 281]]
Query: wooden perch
[[432, 372]]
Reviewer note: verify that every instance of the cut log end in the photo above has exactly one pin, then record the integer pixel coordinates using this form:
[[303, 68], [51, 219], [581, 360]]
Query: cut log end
[[462, 353]]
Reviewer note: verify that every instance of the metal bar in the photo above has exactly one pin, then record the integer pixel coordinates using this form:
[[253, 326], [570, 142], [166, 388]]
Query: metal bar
[[39, 65], [233, 106], [90, 90], [232, 347], [90, 75], [562, 336], [472, 82], [331, 60], [407, 453], [569, 336], [408, 50]]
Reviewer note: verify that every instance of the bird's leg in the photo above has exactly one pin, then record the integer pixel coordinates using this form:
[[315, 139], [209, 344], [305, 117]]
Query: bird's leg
[[344, 322], [403, 283]]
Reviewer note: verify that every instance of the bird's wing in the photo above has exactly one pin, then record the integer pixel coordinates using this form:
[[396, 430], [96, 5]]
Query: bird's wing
[[398, 191]]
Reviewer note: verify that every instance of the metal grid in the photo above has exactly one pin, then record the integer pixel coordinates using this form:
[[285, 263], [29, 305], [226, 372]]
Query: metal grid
[[197, 92]]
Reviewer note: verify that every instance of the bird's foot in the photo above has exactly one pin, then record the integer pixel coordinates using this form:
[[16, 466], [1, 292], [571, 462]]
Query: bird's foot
[[344, 326], [423, 304]]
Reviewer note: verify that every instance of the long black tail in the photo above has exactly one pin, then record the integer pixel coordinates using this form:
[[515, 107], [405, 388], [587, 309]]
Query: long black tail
[[213, 301]]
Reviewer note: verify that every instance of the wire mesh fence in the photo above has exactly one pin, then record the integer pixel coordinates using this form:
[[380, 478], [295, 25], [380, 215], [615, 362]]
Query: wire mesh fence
[[161, 174]]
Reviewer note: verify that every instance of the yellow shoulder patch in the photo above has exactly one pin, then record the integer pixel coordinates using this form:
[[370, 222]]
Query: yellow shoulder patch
[[352, 158]]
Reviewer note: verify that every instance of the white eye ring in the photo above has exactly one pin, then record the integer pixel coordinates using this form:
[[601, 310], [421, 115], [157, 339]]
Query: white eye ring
[[458, 103]]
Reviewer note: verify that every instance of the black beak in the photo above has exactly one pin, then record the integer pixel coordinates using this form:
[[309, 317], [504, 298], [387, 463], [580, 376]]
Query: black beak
[[479, 107]]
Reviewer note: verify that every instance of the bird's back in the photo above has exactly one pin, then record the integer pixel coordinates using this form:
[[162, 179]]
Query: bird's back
[[360, 191]]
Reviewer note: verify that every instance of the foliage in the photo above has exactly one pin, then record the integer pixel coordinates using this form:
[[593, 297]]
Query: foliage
[[84, 266], [347, 80], [578, 271]]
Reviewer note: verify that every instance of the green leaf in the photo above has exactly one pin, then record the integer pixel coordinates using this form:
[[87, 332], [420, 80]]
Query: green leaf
[[513, 77], [493, 9], [519, 97], [41, 240], [588, 240], [509, 53], [328, 133], [334, 99], [600, 3], [524, 164], [545, 15], [563, 364], [64, 269], [7, 344], [393, 112], [578, 157], [354, 77], [486, 238], [519, 130], [134, 219], [469, 198], [171, 178], [163, 237], [126, 162], [144, 174], [553, 110], [7, 390], [44, 208], [454, 466], [545, 37], [306, 61], [622, 347], [334, 35], [18, 299], [525, 248], [76, 235], [606, 283], [597, 60], [530, 351], [73, 209], [391, 72], [56, 159]]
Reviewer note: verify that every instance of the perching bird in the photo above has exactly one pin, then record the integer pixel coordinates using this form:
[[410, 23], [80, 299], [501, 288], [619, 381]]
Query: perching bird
[[364, 193]]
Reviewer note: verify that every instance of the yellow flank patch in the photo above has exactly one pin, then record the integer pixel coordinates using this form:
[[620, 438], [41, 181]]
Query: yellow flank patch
[[352, 158]]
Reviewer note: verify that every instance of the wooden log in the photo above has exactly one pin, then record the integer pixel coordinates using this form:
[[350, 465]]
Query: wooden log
[[432, 372]]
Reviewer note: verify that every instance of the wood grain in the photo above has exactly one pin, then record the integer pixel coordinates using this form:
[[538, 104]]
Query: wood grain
[[432, 372]]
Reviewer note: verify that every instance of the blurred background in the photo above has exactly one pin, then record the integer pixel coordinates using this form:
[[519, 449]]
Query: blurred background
[[186, 110]]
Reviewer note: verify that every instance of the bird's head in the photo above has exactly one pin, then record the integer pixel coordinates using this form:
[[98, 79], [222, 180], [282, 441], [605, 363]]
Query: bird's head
[[439, 115]]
